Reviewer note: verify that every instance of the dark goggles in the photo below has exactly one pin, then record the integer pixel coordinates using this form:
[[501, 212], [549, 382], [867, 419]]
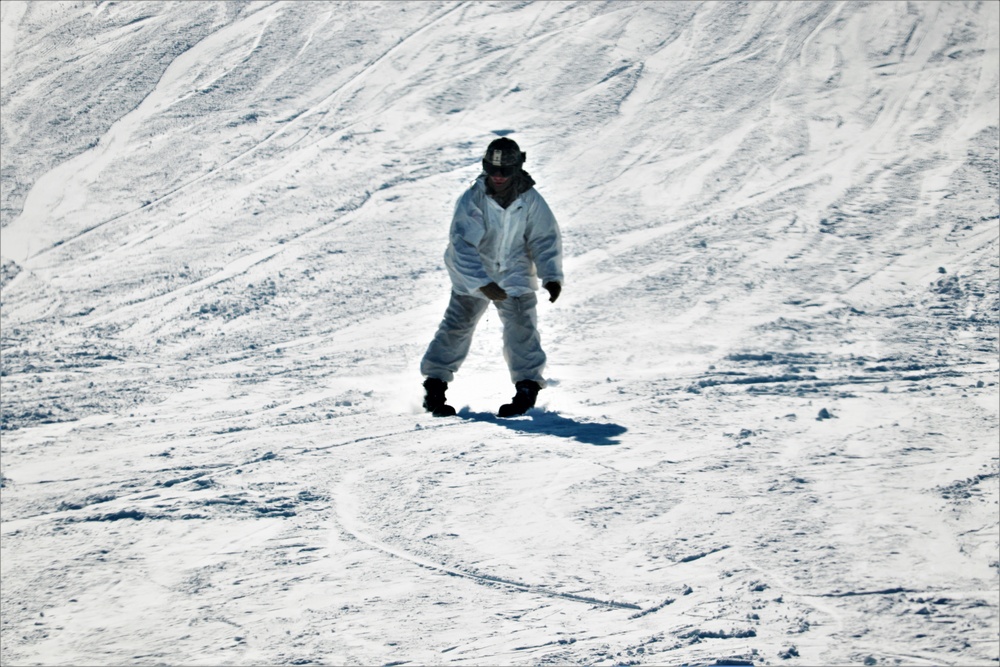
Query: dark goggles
[[506, 171]]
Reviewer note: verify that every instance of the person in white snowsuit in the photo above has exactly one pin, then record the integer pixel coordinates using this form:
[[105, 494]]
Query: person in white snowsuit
[[503, 241]]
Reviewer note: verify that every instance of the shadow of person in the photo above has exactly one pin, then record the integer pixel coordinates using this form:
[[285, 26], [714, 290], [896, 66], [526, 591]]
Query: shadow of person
[[544, 422]]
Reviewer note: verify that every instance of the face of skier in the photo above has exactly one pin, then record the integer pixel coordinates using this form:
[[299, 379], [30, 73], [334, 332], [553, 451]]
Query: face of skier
[[499, 183]]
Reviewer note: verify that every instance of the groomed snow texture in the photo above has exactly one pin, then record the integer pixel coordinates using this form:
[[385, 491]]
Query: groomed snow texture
[[770, 435]]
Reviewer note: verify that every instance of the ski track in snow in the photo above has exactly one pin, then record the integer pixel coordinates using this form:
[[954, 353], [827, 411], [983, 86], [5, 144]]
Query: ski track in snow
[[770, 433]]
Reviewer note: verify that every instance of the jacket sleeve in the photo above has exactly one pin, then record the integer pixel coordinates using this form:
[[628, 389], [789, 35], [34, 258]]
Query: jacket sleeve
[[544, 241], [465, 266]]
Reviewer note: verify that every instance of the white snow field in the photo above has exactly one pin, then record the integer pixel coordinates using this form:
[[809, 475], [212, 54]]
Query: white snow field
[[771, 431]]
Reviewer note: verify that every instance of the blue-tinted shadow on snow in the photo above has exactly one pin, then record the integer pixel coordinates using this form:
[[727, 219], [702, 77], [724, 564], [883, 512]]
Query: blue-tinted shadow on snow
[[541, 421]]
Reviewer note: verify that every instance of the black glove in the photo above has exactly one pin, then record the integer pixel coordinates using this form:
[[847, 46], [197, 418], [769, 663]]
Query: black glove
[[493, 292], [554, 289]]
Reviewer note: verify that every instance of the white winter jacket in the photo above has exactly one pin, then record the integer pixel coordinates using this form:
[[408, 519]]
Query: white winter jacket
[[507, 246]]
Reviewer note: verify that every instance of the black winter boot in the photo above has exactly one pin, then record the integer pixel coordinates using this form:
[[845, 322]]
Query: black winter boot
[[524, 399], [434, 400]]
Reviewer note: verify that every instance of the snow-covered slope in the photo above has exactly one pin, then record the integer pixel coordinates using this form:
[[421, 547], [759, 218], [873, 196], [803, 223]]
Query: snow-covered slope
[[771, 431]]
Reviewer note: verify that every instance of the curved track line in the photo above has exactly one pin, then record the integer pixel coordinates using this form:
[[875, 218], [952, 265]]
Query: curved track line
[[345, 508]]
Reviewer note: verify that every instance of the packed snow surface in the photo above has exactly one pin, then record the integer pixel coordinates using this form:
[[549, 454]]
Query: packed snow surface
[[770, 435]]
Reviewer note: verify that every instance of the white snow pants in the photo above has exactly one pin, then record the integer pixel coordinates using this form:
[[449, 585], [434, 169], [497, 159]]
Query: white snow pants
[[522, 346]]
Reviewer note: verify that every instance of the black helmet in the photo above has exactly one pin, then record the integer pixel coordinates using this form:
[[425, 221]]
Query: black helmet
[[503, 157]]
